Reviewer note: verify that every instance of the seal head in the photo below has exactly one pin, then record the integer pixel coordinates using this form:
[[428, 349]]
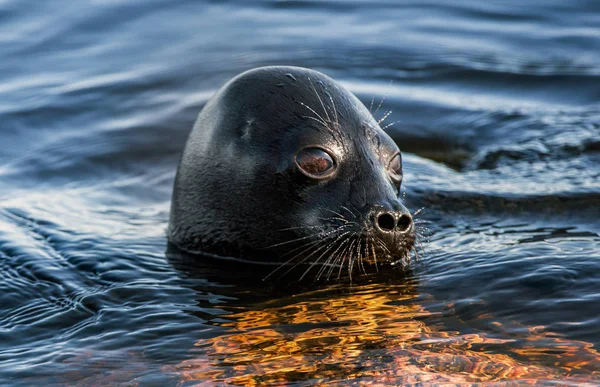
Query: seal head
[[285, 165]]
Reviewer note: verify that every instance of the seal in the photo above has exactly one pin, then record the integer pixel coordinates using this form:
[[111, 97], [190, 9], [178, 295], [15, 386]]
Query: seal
[[286, 166]]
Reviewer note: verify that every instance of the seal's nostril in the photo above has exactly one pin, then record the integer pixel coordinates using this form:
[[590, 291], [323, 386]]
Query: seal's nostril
[[404, 222], [385, 222]]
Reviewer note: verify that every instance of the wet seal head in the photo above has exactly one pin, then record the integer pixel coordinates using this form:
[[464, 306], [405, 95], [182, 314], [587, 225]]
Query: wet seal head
[[284, 166]]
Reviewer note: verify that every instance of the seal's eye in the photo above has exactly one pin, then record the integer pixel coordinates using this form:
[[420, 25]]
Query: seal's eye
[[315, 163], [395, 168]]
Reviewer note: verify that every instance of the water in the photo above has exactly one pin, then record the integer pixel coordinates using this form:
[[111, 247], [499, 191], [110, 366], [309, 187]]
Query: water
[[499, 122]]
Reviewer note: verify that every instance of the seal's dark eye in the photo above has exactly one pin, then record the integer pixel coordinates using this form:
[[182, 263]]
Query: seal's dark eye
[[315, 163], [395, 168]]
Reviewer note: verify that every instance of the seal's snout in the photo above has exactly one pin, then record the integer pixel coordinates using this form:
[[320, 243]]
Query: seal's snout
[[394, 222]]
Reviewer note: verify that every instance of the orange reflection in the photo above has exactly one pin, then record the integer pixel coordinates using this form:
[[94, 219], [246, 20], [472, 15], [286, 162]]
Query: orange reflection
[[377, 335]]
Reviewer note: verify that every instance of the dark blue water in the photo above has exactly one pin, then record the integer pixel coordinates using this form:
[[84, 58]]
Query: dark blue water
[[498, 117]]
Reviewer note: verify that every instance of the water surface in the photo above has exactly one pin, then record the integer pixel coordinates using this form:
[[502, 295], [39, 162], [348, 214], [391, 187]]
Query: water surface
[[497, 111]]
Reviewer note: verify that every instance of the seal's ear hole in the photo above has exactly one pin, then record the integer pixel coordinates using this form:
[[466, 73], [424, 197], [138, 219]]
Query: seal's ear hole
[[315, 163]]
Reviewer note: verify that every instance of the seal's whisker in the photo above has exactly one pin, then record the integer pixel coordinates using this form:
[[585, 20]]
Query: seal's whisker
[[365, 245], [371, 106], [337, 256], [357, 210], [359, 255], [337, 122], [374, 252], [367, 248], [419, 233], [300, 227], [351, 259], [330, 258], [340, 219], [323, 121], [333, 218], [323, 233], [419, 245], [311, 245], [304, 259], [382, 245], [422, 221], [320, 100], [383, 98], [320, 240], [352, 213], [417, 212], [422, 230], [306, 247], [315, 119], [341, 257], [296, 264], [331, 245], [363, 257], [386, 115], [337, 213], [416, 253], [391, 124], [293, 240]]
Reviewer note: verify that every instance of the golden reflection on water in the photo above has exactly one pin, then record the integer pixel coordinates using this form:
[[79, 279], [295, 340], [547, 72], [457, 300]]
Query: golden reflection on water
[[377, 334]]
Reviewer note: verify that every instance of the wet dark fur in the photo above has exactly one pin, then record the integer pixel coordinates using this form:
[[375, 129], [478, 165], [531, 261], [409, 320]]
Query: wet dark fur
[[239, 194]]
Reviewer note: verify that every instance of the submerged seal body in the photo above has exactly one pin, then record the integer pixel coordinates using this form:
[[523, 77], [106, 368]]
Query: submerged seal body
[[285, 165]]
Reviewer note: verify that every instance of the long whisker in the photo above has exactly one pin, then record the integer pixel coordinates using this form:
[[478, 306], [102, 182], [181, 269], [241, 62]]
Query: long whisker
[[304, 259], [315, 113], [335, 257], [336, 218], [323, 233], [390, 124], [341, 259], [350, 261], [331, 257], [359, 256], [310, 245], [331, 245], [383, 99], [300, 228], [320, 100], [352, 213], [306, 247], [356, 208], [319, 240], [422, 221], [337, 213], [316, 119], [382, 245], [417, 212], [374, 253], [334, 109], [386, 115]]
